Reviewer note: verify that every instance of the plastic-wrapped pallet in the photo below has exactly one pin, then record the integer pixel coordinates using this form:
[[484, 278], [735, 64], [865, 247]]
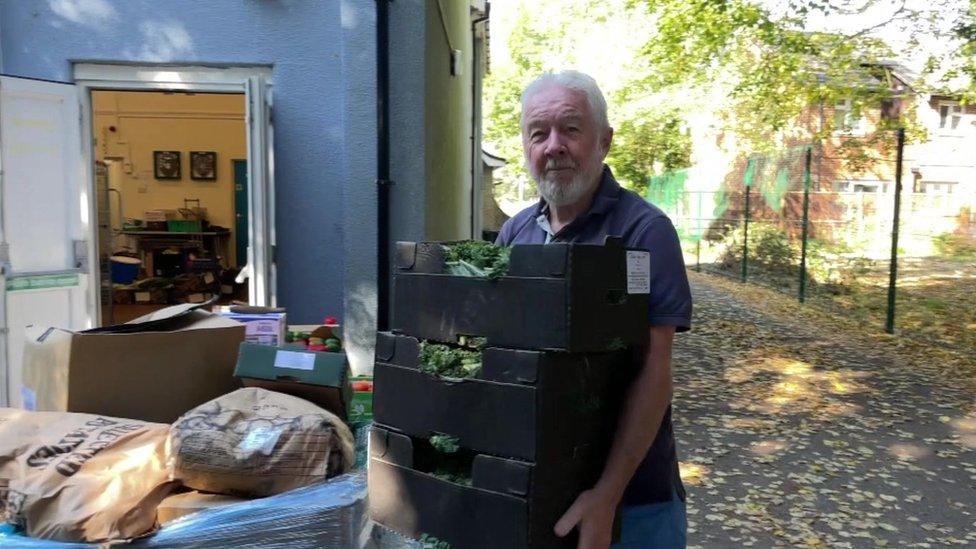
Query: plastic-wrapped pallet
[[328, 514]]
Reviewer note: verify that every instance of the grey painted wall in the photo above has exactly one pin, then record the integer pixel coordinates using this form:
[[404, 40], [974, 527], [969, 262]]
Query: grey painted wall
[[322, 54], [323, 58], [407, 126]]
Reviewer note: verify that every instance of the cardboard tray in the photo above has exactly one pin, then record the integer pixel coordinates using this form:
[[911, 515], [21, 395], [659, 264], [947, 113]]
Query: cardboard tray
[[557, 409], [570, 297], [318, 377], [507, 505]]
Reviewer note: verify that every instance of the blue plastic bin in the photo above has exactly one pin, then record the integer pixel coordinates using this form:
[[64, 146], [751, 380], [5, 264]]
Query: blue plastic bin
[[124, 269]]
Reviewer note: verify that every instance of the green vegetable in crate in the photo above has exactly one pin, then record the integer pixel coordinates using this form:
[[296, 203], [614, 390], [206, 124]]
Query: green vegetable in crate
[[333, 344], [472, 342], [476, 258], [446, 361], [445, 443], [428, 541]]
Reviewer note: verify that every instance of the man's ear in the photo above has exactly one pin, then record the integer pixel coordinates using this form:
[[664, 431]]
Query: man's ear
[[606, 139]]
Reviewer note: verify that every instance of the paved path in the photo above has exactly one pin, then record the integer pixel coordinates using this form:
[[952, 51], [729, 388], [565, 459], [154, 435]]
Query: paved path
[[793, 432]]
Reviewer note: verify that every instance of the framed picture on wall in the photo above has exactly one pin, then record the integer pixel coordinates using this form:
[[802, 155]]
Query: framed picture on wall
[[203, 165], [166, 165]]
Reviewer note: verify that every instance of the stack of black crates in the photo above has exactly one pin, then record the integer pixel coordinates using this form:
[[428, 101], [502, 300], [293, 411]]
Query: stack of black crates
[[537, 421]]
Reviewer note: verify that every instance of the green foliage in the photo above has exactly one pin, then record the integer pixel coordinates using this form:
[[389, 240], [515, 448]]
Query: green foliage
[[835, 266], [446, 361], [955, 247], [751, 68], [428, 541], [649, 137], [769, 247], [650, 143], [449, 462], [477, 258], [445, 443]]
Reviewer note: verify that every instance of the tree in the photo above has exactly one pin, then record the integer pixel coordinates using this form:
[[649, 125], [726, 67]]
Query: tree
[[750, 69], [596, 36], [773, 67]]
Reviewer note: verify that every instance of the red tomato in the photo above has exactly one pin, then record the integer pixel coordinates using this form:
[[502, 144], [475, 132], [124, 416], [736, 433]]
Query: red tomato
[[362, 386]]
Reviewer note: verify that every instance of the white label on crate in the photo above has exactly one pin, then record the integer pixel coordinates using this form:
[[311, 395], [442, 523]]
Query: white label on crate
[[208, 278], [638, 272], [294, 361], [143, 297]]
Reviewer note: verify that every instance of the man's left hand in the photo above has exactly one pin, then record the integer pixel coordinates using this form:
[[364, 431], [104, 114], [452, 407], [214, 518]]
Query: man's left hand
[[592, 513]]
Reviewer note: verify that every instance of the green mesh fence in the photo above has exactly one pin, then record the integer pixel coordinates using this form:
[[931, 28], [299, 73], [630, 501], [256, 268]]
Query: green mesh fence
[[822, 232]]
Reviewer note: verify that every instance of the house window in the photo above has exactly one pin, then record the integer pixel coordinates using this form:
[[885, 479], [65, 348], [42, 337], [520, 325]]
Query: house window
[[846, 120], [938, 187], [858, 186], [865, 187], [950, 115]]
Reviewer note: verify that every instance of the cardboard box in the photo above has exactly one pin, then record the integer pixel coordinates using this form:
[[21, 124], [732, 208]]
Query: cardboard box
[[361, 410], [557, 409], [504, 506], [123, 296], [320, 378], [262, 328], [151, 296], [361, 419], [186, 503], [570, 297], [153, 368], [327, 514], [160, 215]]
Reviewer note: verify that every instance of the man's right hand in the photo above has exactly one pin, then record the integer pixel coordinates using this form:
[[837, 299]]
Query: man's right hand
[[592, 513]]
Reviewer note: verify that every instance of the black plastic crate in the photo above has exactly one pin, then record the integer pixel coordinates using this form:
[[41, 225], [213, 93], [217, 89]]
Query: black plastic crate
[[546, 407], [570, 297], [509, 503]]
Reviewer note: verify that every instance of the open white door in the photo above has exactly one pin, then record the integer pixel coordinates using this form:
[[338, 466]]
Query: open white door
[[44, 219], [260, 174]]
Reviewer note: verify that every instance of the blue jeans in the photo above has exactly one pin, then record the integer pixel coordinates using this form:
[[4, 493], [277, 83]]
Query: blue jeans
[[654, 526]]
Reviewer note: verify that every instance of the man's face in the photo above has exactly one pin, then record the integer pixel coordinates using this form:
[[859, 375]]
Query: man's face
[[563, 144]]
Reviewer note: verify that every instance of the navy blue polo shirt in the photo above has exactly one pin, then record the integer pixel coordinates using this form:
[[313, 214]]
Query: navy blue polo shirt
[[616, 211]]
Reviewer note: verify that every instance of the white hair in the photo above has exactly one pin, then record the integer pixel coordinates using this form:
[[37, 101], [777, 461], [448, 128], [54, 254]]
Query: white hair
[[577, 81]]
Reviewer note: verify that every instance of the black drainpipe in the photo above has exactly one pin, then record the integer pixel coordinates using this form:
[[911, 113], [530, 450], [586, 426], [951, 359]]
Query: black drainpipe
[[383, 165], [475, 142]]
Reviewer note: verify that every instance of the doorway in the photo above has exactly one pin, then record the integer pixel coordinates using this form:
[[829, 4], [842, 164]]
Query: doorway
[[167, 190], [54, 245]]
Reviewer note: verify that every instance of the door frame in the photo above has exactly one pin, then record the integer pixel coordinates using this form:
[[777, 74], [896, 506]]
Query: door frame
[[93, 76]]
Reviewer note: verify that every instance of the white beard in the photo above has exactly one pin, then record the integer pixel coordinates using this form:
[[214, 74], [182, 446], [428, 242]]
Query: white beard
[[562, 194]]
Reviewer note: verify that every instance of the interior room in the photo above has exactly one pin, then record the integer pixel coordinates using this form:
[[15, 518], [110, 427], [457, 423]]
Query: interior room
[[171, 183]]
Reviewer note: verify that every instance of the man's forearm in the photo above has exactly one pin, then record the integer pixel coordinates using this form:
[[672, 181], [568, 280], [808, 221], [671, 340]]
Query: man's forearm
[[644, 408]]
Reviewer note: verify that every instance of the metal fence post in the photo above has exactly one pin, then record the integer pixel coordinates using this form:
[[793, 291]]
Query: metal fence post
[[699, 222], [805, 225], [750, 167], [893, 271]]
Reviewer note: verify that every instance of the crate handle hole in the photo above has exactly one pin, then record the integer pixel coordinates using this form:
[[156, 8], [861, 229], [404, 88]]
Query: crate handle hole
[[616, 297]]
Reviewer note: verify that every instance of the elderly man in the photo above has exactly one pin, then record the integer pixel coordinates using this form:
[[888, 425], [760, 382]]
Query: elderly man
[[566, 136]]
